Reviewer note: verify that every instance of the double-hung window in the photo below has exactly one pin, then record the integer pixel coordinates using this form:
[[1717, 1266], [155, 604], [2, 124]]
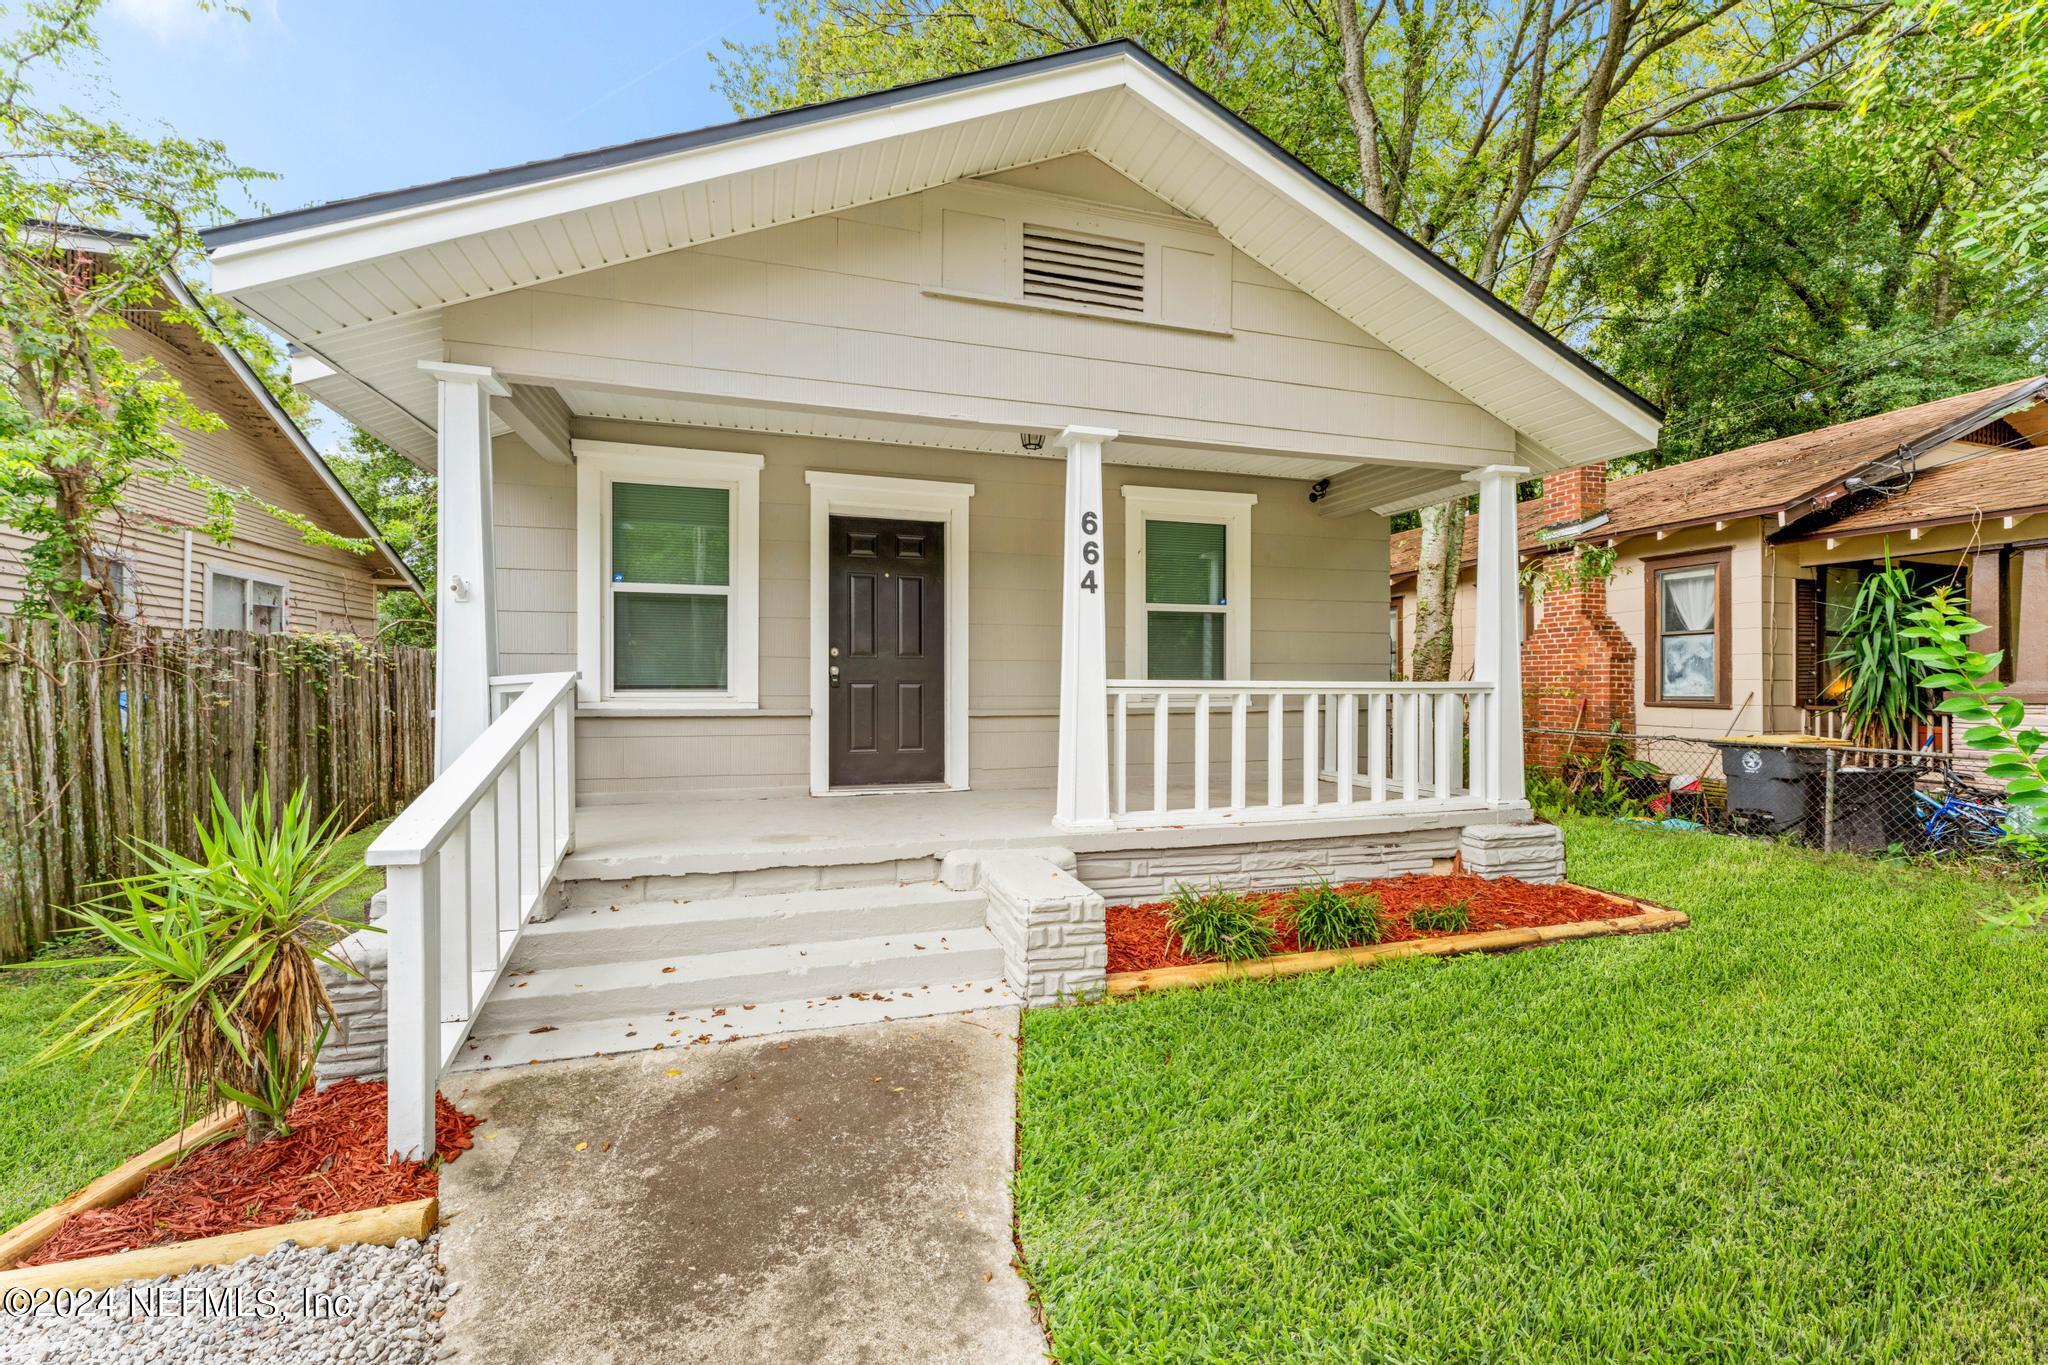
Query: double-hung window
[[238, 600], [1688, 615], [1187, 584], [668, 572]]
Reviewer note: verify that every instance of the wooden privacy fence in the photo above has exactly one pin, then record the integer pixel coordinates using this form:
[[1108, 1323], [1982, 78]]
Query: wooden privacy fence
[[113, 734]]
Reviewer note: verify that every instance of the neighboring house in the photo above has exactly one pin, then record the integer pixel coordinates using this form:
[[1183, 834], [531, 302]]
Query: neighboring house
[[167, 571], [1735, 573], [998, 463]]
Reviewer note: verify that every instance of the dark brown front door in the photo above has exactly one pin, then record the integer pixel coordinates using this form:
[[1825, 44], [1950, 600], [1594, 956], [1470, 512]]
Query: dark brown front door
[[888, 652]]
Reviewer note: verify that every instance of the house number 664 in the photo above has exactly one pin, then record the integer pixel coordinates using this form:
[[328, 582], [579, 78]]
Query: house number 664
[[1091, 550]]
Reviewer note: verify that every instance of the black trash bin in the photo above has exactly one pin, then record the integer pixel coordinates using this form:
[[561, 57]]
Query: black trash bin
[[1772, 788], [1874, 808]]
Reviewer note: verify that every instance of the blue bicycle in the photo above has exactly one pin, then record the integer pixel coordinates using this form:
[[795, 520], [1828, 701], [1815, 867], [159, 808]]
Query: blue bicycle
[[1954, 820]]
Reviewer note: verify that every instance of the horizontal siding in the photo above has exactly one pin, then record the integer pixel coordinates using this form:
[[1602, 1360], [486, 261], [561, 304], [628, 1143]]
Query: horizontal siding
[[1318, 605]]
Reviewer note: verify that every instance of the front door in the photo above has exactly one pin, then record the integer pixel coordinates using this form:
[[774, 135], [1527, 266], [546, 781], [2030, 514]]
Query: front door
[[887, 662]]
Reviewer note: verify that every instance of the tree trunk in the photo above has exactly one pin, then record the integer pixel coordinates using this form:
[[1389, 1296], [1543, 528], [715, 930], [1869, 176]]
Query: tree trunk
[[1436, 590]]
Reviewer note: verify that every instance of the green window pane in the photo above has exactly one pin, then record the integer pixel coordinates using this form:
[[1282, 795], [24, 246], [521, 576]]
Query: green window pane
[[1184, 563], [662, 533], [667, 641], [1184, 644]]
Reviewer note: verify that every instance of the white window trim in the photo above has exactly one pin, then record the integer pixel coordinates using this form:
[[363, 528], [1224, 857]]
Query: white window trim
[[1231, 511], [283, 586], [598, 465], [872, 495]]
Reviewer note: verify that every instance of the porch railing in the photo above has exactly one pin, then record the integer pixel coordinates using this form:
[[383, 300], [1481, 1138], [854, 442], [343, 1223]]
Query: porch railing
[[1289, 749], [467, 864]]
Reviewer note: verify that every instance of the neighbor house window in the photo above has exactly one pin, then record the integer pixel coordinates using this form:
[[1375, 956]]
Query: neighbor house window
[[1688, 616], [120, 581], [1187, 585], [1398, 663], [237, 600], [667, 571]]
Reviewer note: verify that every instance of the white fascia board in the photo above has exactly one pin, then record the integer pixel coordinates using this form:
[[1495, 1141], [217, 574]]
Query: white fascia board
[[248, 266], [1243, 151]]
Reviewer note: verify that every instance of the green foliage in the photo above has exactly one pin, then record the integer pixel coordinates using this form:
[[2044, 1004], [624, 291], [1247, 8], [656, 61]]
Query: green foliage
[[1325, 917], [1853, 1073], [81, 420], [1606, 782], [1886, 694], [1452, 917], [1227, 925], [401, 501], [215, 959]]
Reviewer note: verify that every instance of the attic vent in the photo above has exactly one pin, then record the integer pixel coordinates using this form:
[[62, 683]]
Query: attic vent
[[1079, 267]]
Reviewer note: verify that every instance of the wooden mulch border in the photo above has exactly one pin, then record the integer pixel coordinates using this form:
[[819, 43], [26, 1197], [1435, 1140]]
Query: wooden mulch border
[[1643, 918], [382, 1226]]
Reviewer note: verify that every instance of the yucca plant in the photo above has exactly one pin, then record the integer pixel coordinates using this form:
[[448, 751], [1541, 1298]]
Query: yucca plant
[[1228, 925], [1884, 697], [217, 959], [1325, 917]]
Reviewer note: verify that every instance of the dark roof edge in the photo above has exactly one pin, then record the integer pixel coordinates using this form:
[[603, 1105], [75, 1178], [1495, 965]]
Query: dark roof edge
[[600, 158]]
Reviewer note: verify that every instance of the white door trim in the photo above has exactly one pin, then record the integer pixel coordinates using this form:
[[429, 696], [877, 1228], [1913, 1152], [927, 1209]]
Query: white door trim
[[834, 493]]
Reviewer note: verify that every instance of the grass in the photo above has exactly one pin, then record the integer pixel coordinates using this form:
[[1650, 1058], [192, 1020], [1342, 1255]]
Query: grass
[[1452, 917], [1325, 917], [1814, 1126], [64, 1124]]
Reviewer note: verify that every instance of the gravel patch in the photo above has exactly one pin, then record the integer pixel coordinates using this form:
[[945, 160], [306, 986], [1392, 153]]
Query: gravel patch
[[294, 1306]]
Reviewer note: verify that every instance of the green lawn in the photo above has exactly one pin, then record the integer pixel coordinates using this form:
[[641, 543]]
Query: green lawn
[[1813, 1126], [63, 1124]]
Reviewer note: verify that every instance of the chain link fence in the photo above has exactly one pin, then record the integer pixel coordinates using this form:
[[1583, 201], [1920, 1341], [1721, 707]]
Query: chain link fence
[[1826, 794]]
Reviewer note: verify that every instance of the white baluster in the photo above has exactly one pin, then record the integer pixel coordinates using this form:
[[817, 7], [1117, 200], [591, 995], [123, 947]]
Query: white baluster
[[451, 870], [1311, 752], [1347, 745], [1123, 753], [1449, 730], [1476, 786], [530, 856], [1376, 748], [505, 796], [1238, 758], [1162, 702], [1408, 725], [1201, 751], [1276, 725], [413, 990]]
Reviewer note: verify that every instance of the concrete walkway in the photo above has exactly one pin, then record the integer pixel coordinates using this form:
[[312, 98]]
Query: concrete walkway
[[834, 1196]]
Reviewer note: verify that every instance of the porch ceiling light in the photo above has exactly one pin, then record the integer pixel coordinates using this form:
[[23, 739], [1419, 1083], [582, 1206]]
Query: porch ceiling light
[[1031, 440]]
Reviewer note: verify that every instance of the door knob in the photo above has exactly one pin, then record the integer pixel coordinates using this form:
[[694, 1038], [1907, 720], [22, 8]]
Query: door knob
[[835, 675]]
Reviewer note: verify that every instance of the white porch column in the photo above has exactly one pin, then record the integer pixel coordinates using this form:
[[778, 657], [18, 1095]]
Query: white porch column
[[465, 625], [1497, 635], [1082, 799]]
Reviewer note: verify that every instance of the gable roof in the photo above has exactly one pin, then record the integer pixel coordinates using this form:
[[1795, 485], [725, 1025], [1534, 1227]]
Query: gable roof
[[358, 281], [2006, 483], [1796, 475], [99, 241]]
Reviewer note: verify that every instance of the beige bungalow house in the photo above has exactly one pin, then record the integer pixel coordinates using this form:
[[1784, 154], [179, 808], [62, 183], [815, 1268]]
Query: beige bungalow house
[[1734, 573], [873, 534], [268, 578]]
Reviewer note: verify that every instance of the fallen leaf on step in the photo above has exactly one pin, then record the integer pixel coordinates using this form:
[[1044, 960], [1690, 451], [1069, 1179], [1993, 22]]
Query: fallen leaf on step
[[674, 1071], [582, 1146]]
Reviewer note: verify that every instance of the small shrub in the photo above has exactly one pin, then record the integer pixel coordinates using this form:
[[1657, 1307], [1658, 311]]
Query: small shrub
[[1325, 917], [1227, 925], [1452, 917]]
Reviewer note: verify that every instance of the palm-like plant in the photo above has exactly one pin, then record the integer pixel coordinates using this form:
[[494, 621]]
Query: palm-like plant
[[217, 958], [1884, 696]]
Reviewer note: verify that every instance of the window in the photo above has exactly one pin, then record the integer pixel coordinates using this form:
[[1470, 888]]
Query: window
[[121, 581], [238, 600], [667, 575], [1397, 662], [1688, 616], [1187, 583]]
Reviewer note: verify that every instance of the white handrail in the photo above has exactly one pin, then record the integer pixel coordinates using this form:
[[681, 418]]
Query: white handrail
[[1331, 748], [467, 864]]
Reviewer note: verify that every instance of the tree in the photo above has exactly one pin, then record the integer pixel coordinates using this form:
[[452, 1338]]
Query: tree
[[401, 501], [1492, 133], [81, 420]]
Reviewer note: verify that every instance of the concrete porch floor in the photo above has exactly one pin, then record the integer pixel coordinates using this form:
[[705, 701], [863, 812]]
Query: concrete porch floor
[[727, 833]]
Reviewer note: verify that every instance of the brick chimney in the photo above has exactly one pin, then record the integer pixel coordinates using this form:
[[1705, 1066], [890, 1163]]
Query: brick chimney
[[1578, 669]]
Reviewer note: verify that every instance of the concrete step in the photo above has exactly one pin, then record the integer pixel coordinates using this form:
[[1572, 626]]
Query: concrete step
[[598, 882], [654, 987], [635, 931], [708, 1028]]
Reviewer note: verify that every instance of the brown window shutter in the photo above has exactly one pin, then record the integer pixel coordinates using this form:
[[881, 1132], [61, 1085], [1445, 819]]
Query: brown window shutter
[[1806, 641]]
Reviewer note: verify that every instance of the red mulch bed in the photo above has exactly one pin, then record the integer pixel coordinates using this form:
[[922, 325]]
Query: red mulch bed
[[333, 1161], [1139, 938]]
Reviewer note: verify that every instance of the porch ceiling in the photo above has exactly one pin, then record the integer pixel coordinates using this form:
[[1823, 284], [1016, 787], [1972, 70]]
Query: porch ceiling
[[361, 284]]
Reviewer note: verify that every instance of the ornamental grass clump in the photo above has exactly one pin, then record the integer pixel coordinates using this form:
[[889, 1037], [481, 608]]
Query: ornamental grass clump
[[216, 959], [1325, 917], [1452, 917], [1227, 925]]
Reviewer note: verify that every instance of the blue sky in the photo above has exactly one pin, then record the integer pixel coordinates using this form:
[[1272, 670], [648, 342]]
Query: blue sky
[[344, 97]]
